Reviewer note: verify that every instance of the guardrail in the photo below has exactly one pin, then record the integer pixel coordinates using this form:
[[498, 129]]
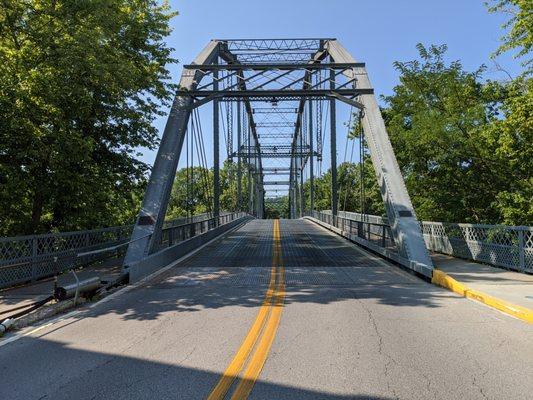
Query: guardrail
[[175, 242], [373, 230], [504, 246], [29, 258], [172, 235], [375, 236]]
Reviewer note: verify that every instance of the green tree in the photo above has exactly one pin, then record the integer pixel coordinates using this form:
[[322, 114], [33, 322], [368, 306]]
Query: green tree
[[277, 207], [192, 190], [80, 84], [351, 196], [464, 145], [191, 193], [520, 29]]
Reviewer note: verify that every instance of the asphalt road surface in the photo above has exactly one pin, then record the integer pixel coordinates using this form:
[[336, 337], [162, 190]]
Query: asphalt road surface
[[276, 310]]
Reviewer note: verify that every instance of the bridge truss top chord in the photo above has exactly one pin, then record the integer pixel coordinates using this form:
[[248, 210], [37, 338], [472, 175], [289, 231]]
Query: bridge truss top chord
[[273, 93]]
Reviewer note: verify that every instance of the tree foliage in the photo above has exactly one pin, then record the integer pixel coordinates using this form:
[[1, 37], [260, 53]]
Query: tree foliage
[[80, 84], [463, 144], [192, 190], [353, 195], [519, 27]]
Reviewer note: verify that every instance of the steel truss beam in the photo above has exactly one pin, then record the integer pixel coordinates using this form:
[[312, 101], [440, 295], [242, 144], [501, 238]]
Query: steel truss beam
[[149, 222], [283, 124], [277, 66], [277, 110], [284, 154], [272, 71], [294, 93], [400, 212], [276, 169], [276, 183]]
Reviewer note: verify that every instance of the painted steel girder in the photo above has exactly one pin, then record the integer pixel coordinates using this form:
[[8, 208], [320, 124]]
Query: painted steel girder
[[150, 220], [401, 214]]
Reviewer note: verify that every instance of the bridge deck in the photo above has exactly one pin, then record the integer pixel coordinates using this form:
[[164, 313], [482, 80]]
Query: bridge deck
[[351, 327]]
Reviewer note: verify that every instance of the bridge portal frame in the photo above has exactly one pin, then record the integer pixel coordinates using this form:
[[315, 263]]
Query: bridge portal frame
[[236, 57]]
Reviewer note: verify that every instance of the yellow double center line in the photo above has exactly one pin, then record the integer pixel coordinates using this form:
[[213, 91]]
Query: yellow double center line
[[262, 333]]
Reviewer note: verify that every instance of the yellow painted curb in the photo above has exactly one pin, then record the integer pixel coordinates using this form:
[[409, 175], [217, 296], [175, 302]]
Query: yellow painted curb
[[442, 279]]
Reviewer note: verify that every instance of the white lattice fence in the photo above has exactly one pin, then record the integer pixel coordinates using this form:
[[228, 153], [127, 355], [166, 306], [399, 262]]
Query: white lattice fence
[[27, 258], [503, 246]]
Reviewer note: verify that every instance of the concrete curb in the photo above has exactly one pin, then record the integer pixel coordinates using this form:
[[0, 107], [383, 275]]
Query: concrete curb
[[440, 278]]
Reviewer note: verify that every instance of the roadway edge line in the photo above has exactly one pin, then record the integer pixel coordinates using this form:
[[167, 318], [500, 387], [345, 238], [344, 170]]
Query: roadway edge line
[[442, 279], [50, 322]]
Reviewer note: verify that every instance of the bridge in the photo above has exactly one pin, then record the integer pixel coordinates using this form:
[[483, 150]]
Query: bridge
[[322, 304]]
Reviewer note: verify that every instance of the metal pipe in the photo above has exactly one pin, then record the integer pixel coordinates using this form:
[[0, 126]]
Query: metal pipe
[[85, 286]]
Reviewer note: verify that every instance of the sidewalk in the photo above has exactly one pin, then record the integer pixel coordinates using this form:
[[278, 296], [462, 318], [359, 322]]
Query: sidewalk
[[20, 296], [513, 287]]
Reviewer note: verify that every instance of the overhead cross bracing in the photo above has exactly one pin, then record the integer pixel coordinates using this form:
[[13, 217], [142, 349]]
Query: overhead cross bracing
[[274, 100]]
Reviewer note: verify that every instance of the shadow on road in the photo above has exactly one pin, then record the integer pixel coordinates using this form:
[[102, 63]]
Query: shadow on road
[[53, 370], [319, 268]]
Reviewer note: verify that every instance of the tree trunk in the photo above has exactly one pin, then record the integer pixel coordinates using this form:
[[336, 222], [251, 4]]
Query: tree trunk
[[36, 211]]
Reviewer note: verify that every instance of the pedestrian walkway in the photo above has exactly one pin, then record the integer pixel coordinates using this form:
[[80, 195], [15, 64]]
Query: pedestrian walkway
[[510, 286], [15, 299]]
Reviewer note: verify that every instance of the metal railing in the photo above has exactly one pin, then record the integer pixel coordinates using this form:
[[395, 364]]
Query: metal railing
[[175, 234], [29, 258], [504, 246], [373, 231]]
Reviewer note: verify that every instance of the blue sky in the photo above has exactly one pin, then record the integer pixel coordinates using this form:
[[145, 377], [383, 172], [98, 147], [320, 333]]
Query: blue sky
[[377, 32]]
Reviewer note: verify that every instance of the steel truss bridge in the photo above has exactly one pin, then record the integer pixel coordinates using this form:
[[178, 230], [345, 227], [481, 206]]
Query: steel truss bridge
[[232, 304], [276, 89]]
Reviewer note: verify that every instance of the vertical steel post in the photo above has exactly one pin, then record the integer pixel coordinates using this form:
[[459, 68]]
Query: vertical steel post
[[296, 191], [302, 197], [261, 200], [216, 151], [311, 161], [250, 176], [291, 169], [333, 146], [239, 166], [521, 250]]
